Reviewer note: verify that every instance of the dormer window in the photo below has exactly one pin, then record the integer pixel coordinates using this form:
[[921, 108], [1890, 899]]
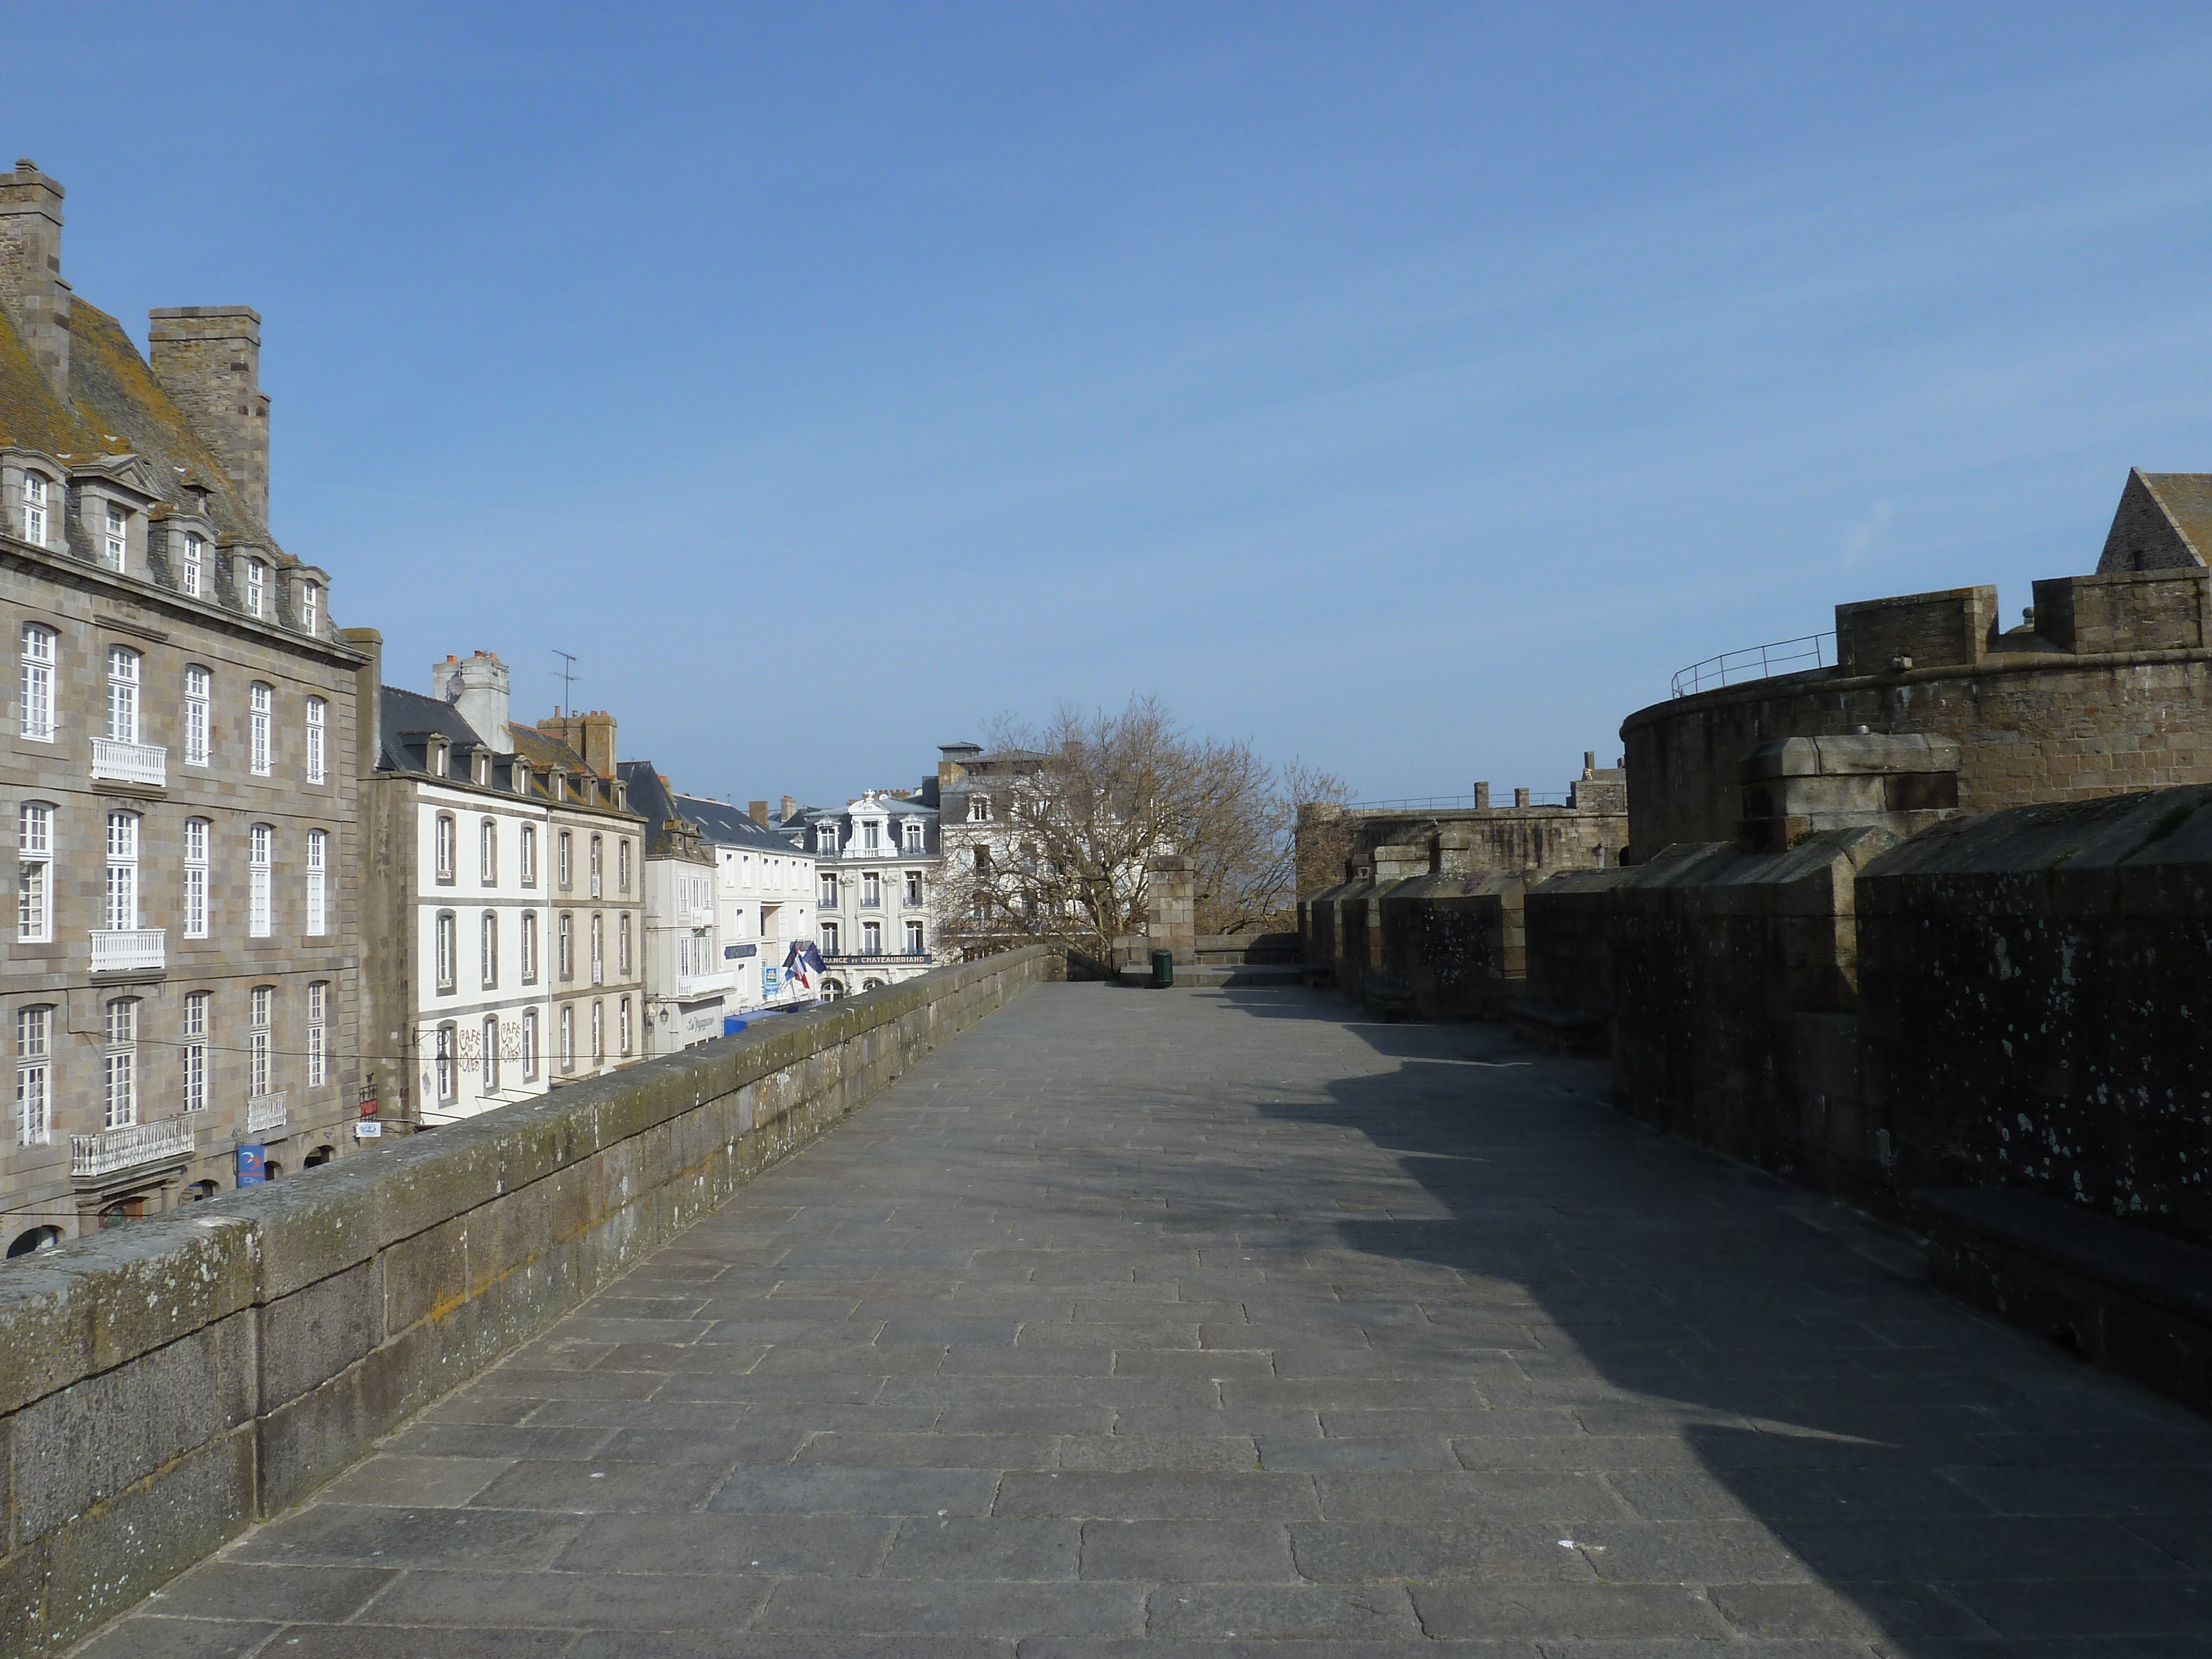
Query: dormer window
[[311, 608], [979, 809], [114, 545], [560, 782], [35, 509], [913, 827], [521, 777], [436, 758], [825, 838], [872, 836], [257, 588], [191, 577]]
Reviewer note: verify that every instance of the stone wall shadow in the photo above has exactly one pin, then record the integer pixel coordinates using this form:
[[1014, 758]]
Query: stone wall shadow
[[1895, 1443]]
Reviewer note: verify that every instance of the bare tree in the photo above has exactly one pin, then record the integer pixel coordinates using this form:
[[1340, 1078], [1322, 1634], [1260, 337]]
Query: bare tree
[[1050, 835]]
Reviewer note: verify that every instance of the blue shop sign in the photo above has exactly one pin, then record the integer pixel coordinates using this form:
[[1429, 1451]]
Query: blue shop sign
[[252, 1166]]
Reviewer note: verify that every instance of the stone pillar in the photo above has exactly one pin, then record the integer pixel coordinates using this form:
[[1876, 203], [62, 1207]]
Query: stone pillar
[[1171, 907]]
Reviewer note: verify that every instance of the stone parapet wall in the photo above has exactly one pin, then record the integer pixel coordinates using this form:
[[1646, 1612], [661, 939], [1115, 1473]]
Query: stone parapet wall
[[164, 1385], [2109, 690], [2037, 1007]]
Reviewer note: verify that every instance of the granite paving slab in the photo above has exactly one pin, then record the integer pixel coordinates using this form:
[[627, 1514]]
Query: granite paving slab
[[1226, 1323]]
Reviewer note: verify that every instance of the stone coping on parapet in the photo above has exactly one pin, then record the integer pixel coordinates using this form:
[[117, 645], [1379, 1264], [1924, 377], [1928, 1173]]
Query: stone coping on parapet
[[97, 1303], [1836, 681]]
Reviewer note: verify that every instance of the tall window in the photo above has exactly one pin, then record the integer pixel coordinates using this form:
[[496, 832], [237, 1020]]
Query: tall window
[[529, 947], [443, 840], [598, 948], [621, 945], [914, 887], [197, 831], [872, 938], [121, 914], [193, 576], [825, 837], [318, 1041], [262, 700], [871, 832], [260, 1039], [487, 851], [260, 858], [528, 860], [871, 888], [568, 1036], [621, 865], [622, 1025], [913, 944], [446, 951], [34, 1075], [35, 888], [35, 509], [566, 962], [317, 721], [979, 809], [199, 696], [122, 694], [491, 1054], [114, 542], [257, 588], [829, 938], [318, 862], [195, 1032], [488, 949], [442, 1072], [38, 699], [912, 828], [120, 1065], [599, 1033], [529, 1042], [598, 849], [828, 891], [311, 608], [564, 854]]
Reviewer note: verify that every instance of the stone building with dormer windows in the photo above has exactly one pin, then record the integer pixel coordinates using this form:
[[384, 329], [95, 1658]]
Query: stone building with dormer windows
[[876, 864], [505, 893], [181, 970]]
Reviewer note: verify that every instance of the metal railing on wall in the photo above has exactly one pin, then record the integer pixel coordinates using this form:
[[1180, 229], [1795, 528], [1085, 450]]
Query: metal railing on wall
[[1757, 662]]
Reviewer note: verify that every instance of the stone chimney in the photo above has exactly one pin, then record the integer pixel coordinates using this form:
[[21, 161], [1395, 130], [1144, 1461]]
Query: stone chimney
[[207, 359], [32, 292], [1520, 798], [592, 736], [757, 811], [477, 686], [790, 809], [368, 700], [1482, 797]]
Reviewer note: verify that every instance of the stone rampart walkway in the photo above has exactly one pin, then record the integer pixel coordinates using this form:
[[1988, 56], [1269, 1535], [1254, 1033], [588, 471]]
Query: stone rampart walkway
[[1185, 1323]]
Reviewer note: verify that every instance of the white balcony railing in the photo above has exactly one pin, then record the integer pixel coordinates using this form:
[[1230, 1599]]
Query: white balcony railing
[[699, 985], [264, 1113], [131, 763], [125, 1149], [119, 950]]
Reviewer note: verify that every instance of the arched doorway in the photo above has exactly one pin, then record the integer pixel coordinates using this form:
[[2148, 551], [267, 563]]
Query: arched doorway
[[272, 1170], [36, 1238], [200, 1191], [319, 1157]]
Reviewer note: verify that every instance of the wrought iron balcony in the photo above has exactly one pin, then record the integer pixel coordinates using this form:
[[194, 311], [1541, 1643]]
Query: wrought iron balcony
[[264, 1113], [121, 951], [126, 1149], [131, 763]]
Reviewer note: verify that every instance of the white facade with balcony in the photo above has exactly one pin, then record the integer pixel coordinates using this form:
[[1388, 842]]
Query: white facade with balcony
[[131, 763], [111, 1152], [877, 870]]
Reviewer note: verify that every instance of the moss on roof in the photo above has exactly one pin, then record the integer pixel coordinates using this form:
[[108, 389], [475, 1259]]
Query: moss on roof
[[115, 405]]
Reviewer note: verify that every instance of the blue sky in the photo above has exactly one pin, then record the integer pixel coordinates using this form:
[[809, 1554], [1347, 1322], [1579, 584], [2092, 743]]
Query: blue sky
[[1408, 388]]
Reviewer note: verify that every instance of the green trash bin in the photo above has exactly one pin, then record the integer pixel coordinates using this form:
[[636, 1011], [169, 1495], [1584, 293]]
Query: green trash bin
[[1162, 969]]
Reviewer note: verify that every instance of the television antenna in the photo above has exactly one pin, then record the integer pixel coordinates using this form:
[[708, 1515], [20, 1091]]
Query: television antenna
[[567, 676]]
